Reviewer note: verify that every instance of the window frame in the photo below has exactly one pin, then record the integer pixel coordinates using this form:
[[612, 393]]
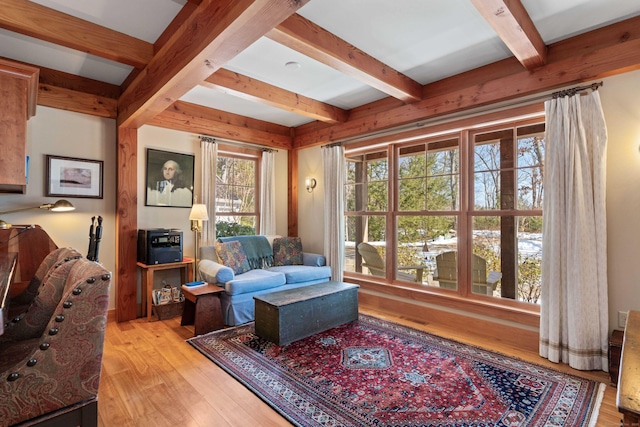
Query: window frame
[[463, 129], [244, 153]]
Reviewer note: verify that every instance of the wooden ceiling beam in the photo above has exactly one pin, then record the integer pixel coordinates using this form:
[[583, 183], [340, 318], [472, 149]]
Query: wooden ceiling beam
[[510, 20], [212, 35], [600, 53], [34, 20], [194, 118], [77, 101], [253, 90], [311, 40]]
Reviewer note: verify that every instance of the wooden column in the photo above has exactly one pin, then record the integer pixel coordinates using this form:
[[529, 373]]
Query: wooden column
[[126, 224]]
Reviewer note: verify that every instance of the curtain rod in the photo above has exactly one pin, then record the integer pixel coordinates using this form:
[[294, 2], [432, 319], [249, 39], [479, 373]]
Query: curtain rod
[[574, 90], [333, 144], [206, 138]]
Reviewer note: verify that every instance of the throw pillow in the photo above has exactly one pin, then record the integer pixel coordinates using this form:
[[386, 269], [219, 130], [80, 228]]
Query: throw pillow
[[287, 251], [232, 255]]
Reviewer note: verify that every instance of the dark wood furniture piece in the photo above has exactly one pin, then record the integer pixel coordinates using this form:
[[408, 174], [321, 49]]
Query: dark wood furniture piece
[[202, 308], [32, 244], [629, 378], [615, 351], [290, 315], [7, 269], [186, 274]]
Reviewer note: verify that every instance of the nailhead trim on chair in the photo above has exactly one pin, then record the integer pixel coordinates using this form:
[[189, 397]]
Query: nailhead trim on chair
[[45, 346], [53, 331], [91, 280], [60, 318], [13, 376], [77, 291], [67, 304], [32, 362]]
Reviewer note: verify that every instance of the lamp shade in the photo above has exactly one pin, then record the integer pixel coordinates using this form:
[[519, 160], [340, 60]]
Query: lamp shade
[[199, 212], [60, 206]]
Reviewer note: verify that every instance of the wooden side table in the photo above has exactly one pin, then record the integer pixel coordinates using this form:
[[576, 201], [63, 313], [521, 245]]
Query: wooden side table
[[202, 308], [186, 274], [615, 351]]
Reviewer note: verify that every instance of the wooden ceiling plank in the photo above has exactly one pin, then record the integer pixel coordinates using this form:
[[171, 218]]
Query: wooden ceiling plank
[[311, 40], [621, 53], [197, 119], [34, 20], [214, 33], [514, 26], [263, 93]]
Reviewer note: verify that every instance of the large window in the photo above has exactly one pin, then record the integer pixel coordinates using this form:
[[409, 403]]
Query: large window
[[454, 213], [236, 195]]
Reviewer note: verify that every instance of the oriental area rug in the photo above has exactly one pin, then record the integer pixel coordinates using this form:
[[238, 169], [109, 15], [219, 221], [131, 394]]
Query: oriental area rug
[[375, 373]]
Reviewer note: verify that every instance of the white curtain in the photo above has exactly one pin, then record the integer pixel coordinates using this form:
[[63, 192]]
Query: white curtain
[[574, 307], [334, 177], [268, 195], [208, 162]]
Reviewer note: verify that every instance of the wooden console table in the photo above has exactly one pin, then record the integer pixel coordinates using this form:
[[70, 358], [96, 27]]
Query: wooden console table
[[628, 400], [186, 274]]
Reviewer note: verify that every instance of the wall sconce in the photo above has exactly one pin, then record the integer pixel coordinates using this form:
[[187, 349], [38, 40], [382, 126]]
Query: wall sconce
[[197, 215], [59, 206], [310, 183]]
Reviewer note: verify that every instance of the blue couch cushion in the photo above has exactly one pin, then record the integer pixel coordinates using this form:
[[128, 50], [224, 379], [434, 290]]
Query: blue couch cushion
[[254, 280], [302, 273]]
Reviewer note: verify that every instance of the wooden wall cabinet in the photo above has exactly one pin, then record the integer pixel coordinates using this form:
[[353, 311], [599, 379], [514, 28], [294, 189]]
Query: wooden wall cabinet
[[18, 99]]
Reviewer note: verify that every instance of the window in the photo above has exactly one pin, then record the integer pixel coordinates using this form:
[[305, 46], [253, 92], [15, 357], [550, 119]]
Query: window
[[454, 213], [236, 194]]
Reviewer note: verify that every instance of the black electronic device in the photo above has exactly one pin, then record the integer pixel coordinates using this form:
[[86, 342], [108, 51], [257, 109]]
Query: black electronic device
[[159, 246]]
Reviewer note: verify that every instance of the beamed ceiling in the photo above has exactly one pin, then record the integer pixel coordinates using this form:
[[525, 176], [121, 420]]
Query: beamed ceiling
[[289, 74]]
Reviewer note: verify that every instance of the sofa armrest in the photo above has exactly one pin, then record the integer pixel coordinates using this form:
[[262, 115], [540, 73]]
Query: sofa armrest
[[213, 272], [314, 260]]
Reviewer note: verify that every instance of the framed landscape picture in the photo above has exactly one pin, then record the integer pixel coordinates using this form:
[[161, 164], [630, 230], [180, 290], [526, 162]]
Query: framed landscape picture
[[169, 179], [71, 177]]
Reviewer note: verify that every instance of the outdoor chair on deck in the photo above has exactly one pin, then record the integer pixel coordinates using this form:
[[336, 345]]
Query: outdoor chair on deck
[[374, 262], [447, 273]]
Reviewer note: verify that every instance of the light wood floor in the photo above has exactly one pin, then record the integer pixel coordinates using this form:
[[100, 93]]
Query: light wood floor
[[152, 377]]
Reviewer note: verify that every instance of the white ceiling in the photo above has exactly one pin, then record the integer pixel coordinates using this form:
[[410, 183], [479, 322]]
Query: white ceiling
[[426, 40]]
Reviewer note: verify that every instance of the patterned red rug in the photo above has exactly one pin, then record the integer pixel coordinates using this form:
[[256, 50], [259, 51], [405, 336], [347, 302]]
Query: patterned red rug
[[376, 373]]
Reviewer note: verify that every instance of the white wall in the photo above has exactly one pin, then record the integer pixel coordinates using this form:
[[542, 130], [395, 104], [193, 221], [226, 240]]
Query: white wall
[[621, 104], [311, 205], [68, 134]]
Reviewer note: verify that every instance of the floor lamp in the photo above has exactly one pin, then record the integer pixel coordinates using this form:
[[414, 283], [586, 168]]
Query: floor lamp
[[197, 215]]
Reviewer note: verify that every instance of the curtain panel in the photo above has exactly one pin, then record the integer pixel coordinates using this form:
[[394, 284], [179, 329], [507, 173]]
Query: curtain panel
[[574, 303], [334, 178], [268, 194], [208, 166]]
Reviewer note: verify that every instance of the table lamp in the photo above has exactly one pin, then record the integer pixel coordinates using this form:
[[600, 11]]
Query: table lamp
[[197, 215]]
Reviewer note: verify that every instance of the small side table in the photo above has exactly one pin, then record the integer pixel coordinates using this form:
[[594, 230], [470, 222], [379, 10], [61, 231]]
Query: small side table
[[186, 273], [202, 308], [615, 351]]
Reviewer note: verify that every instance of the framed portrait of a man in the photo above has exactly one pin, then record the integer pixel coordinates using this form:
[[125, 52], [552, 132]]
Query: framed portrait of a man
[[169, 179]]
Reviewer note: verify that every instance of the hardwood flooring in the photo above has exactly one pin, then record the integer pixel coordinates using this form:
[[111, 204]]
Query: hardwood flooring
[[152, 377]]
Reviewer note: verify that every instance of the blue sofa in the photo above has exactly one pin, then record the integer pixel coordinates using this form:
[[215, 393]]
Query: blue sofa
[[263, 277]]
